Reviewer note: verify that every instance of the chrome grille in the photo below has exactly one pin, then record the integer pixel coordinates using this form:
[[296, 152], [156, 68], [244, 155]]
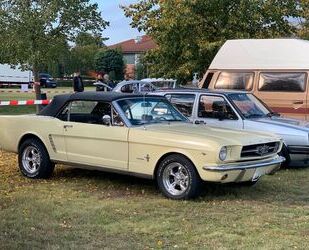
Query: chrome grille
[[258, 150]]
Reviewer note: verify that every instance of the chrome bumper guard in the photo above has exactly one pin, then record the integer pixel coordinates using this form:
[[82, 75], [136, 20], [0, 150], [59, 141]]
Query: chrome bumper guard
[[244, 166]]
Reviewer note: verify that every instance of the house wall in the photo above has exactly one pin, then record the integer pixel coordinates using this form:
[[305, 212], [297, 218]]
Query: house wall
[[131, 60]]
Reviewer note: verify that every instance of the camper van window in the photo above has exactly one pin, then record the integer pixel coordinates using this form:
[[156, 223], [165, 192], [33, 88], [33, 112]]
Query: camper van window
[[283, 82], [235, 80], [208, 80]]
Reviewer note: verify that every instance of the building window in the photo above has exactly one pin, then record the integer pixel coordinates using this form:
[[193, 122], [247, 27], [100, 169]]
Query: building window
[[129, 58]]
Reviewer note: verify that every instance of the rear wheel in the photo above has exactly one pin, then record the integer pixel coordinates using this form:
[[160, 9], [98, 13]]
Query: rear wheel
[[177, 178], [33, 159]]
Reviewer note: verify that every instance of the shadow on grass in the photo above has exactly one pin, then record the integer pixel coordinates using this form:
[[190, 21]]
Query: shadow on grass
[[269, 188]]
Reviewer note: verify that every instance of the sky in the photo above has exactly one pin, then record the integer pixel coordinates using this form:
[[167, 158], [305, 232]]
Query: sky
[[119, 28]]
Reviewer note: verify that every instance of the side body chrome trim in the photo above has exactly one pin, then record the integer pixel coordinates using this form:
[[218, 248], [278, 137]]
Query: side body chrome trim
[[103, 169], [298, 150], [242, 166], [52, 143]]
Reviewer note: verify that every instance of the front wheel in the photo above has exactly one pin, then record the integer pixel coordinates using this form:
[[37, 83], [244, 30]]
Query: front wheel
[[177, 178], [33, 159]]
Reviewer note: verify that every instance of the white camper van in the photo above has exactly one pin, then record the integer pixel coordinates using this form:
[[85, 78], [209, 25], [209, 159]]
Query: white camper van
[[275, 70], [10, 76]]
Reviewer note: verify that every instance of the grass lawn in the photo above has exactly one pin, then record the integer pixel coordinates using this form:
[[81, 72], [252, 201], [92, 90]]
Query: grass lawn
[[78, 209], [18, 110], [89, 209]]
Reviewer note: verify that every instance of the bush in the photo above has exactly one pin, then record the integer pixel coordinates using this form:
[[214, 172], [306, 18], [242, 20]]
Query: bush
[[111, 62]]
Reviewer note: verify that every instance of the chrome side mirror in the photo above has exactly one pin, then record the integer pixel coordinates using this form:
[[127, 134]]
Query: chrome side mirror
[[107, 120]]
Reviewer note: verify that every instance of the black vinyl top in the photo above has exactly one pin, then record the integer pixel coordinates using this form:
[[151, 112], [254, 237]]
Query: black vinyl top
[[59, 101]]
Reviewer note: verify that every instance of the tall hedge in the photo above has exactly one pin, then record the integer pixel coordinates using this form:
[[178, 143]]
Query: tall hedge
[[110, 61]]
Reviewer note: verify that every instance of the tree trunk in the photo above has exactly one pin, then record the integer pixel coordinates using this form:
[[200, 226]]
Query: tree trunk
[[37, 88]]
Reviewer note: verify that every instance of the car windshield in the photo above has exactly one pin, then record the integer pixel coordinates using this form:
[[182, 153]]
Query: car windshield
[[146, 110], [249, 105]]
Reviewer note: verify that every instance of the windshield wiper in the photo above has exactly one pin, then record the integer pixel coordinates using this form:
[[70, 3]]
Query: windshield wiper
[[271, 114], [254, 116]]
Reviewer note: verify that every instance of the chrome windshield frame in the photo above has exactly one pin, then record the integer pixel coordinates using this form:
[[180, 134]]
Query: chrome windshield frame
[[127, 122]]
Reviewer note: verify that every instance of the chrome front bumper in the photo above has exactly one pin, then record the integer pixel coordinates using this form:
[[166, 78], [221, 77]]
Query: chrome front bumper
[[246, 165], [241, 172]]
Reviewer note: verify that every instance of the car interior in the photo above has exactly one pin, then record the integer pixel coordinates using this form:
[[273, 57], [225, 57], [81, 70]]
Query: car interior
[[218, 110], [93, 117]]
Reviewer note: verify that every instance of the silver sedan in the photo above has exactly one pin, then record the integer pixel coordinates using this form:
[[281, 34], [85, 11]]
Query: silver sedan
[[243, 111]]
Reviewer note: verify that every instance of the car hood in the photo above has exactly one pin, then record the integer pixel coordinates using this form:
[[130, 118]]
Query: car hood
[[285, 122], [203, 132]]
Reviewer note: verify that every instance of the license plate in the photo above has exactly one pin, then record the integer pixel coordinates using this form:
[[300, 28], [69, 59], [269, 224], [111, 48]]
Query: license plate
[[259, 172]]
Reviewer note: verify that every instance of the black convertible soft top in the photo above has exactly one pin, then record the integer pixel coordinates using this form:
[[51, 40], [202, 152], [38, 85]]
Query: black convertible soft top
[[60, 100]]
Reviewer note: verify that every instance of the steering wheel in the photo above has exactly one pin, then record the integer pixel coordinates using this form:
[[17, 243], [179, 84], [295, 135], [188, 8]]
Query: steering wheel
[[161, 118]]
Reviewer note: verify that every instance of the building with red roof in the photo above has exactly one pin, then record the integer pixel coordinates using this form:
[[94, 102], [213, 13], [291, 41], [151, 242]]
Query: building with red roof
[[132, 51]]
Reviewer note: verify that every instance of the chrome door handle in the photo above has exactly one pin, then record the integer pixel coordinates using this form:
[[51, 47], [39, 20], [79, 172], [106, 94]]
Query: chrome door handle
[[67, 126]]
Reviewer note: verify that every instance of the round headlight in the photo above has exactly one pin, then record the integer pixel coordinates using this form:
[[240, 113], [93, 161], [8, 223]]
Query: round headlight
[[223, 153]]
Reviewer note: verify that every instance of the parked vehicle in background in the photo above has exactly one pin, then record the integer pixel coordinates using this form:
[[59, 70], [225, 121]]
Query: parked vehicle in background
[[134, 86], [144, 85], [161, 83], [243, 111], [275, 70], [140, 135], [14, 76], [101, 86], [47, 81]]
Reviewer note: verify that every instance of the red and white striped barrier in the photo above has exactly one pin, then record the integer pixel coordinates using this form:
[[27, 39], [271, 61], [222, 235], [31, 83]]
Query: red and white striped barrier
[[26, 102], [31, 91]]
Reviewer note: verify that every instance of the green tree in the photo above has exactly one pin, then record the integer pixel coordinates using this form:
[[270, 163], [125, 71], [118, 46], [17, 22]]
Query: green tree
[[32, 31], [55, 63], [110, 61], [189, 33], [86, 39], [304, 21], [82, 54]]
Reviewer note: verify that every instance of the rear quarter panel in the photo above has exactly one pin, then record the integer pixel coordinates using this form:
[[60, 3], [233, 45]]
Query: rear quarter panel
[[13, 128]]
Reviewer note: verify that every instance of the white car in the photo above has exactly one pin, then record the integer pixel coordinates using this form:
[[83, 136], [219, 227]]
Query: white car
[[134, 86], [144, 85], [243, 111]]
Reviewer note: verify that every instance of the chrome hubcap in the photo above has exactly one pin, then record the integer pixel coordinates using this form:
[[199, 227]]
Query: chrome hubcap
[[175, 178], [31, 159]]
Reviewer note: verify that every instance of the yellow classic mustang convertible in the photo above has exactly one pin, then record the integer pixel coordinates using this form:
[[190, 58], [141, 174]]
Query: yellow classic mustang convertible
[[141, 135]]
